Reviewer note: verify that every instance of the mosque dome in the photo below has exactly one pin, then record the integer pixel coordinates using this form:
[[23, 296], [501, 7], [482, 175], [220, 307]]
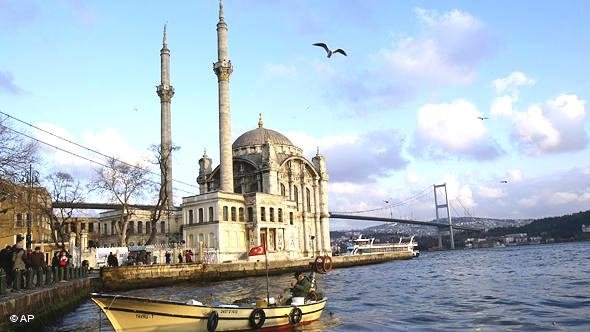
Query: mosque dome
[[259, 136]]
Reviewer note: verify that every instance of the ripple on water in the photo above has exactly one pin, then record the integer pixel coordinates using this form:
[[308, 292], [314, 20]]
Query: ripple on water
[[533, 288]]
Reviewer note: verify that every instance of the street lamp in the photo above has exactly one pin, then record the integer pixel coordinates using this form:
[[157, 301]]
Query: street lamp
[[390, 210], [30, 178]]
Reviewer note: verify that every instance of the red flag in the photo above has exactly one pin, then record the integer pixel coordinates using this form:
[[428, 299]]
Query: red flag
[[255, 251]]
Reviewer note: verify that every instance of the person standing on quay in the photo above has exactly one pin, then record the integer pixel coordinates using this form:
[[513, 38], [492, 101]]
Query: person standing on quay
[[168, 257]]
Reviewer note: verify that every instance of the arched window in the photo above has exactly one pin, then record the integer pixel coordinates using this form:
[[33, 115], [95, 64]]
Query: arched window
[[271, 213], [296, 196], [140, 227], [280, 215], [291, 218], [262, 214], [210, 213], [162, 227], [201, 215], [131, 227], [190, 217], [211, 240], [233, 214], [241, 214], [283, 190]]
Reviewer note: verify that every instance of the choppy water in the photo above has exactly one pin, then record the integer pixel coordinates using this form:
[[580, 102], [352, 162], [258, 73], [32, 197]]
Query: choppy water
[[528, 288]]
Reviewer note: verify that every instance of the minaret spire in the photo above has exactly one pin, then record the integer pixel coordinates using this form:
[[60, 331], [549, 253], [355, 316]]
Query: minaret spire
[[223, 69], [165, 91], [164, 38]]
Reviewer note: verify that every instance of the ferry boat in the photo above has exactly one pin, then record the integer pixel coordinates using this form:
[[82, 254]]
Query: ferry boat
[[363, 245]]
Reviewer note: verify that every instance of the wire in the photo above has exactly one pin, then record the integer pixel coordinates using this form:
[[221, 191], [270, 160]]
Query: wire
[[82, 157], [416, 196], [84, 147]]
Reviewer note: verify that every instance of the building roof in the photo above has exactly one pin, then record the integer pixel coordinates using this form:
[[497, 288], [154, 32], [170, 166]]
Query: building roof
[[259, 136]]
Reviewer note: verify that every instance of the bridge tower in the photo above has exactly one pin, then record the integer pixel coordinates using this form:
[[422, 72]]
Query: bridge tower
[[445, 206]]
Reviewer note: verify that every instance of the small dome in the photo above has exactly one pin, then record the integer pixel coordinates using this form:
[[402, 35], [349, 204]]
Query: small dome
[[259, 136]]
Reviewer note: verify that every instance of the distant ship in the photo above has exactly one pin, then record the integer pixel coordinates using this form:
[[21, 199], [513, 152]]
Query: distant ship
[[362, 246]]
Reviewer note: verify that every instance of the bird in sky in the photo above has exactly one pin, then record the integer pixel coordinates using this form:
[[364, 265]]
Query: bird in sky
[[504, 181], [329, 51], [482, 117]]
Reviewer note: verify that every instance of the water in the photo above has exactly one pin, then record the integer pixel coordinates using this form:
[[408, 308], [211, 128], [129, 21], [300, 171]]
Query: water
[[528, 288]]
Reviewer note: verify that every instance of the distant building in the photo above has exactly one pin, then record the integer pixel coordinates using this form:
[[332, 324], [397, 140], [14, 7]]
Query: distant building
[[21, 203]]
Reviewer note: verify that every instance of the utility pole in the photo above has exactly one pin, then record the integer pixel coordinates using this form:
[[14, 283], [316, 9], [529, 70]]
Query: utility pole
[[30, 178]]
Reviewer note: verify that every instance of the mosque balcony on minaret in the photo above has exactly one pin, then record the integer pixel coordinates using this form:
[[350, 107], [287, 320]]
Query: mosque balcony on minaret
[[165, 92], [223, 69]]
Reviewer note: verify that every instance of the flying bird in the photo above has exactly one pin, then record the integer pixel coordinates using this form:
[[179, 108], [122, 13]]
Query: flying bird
[[482, 117], [329, 51], [504, 181]]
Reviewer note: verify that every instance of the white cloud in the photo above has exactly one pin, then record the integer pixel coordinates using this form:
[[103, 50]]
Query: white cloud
[[563, 197], [453, 128], [557, 126], [515, 175], [356, 158], [108, 142], [412, 177], [491, 192], [280, 70], [502, 106], [528, 202], [458, 191], [510, 84], [533, 129]]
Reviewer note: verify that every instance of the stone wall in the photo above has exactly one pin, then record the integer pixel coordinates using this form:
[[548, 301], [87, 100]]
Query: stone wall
[[142, 276], [33, 309]]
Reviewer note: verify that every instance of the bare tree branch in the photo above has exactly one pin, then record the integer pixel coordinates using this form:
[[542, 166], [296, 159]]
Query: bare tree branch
[[16, 152], [123, 184]]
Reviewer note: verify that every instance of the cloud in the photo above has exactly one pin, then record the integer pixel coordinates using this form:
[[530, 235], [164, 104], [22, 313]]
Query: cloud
[[457, 191], [557, 126], [357, 158], [453, 129], [491, 192], [515, 175], [447, 52], [412, 177], [511, 83], [280, 70], [78, 160], [508, 90], [7, 83]]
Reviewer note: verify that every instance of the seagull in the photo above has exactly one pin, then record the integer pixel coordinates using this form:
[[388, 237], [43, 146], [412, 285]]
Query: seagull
[[504, 181], [482, 117], [329, 51]]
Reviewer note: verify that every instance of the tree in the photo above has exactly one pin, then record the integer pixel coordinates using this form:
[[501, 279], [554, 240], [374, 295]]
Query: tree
[[63, 188], [123, 184], [16, 152], [164, 205]]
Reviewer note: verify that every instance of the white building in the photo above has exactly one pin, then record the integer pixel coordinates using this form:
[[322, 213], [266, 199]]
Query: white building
[[263, 192]]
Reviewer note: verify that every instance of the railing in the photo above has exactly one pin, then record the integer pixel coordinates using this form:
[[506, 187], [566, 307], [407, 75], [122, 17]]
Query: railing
[[38, 278]]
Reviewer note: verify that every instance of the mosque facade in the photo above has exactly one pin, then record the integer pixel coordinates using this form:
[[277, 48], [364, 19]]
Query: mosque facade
[[264, 192]]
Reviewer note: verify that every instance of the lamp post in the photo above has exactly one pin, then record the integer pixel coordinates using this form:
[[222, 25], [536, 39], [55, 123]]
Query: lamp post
[[30, 178], [390, 210]]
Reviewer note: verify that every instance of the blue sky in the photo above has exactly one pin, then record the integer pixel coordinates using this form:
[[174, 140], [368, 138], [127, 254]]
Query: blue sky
[[396, 116]]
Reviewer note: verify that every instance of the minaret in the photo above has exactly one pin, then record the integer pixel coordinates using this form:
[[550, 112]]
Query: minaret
[[166, 92], [223, 69]]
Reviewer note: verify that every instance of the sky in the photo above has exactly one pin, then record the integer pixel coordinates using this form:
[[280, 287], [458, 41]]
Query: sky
[[487, 97]]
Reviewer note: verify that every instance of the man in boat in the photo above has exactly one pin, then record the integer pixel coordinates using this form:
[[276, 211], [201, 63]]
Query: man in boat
[[299, 288]]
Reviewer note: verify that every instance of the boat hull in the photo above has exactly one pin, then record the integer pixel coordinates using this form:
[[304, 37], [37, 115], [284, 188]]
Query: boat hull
[[128, 313]]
